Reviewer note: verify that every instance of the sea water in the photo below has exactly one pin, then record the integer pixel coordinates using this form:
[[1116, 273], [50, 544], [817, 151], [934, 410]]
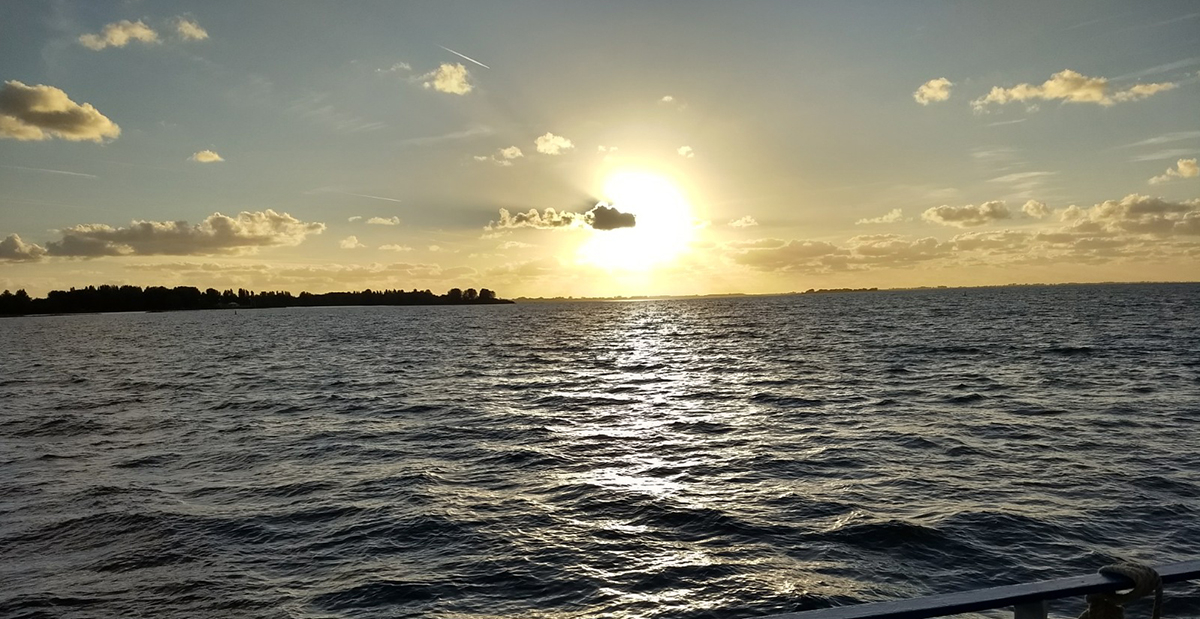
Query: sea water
[[725, 457]]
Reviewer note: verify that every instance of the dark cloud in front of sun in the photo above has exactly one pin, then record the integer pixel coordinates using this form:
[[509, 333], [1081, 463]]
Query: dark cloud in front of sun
[[605, 217]]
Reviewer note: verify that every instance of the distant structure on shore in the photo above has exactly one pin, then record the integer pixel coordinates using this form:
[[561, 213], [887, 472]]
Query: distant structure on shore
[[94, 299]]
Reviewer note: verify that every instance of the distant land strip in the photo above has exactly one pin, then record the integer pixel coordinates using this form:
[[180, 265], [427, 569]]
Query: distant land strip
[[735, 295], [98, 299]]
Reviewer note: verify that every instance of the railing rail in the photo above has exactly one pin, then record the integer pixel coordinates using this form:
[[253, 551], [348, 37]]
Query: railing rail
[[1028, 600]]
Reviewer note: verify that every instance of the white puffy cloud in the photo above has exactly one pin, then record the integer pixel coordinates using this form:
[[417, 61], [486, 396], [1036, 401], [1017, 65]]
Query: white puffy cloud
[[189, 30], [42, 112], [600, 217], [551, 144], [449, 78], [13, 249], [1071, 87], [1184, 168], [350, 242], [354, 218], [384, 221], [217, 234], [745, 221], [1140, 214], [206, 156], [119, 34], [503, 156], [667, 99], [969, 215], [933, 90], [394, 247], [1035, 209], [891, 217], [686, 152]]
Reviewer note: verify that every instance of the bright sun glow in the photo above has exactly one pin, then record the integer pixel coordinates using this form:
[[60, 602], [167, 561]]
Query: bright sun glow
[[664, 223]]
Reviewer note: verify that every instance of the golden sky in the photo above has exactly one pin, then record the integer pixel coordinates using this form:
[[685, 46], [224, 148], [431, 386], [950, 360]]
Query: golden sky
[[596, 149]]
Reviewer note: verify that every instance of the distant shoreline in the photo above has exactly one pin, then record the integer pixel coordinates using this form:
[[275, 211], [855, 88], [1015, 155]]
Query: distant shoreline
[[810, 291]]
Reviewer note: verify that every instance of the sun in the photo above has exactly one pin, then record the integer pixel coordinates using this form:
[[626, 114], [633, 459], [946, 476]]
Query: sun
[[663, 230]]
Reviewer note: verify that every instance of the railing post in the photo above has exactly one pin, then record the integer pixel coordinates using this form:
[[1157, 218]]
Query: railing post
[[1030, 610]]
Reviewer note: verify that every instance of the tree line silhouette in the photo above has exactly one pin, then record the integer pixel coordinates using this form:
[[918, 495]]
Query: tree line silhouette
[[161, 299]]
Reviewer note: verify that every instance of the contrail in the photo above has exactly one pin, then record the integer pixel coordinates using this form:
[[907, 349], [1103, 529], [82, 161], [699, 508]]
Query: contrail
[[363, 195], [465, 56], [347, 193], [19, 167]]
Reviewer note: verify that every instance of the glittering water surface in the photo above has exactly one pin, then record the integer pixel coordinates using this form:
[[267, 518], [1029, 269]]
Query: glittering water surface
[[698, 458]]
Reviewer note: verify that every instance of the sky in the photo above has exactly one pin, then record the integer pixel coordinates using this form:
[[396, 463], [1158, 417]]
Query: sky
[[597, 149]]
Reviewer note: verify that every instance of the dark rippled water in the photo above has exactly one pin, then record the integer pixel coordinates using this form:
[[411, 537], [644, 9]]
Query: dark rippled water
[[698, 458]]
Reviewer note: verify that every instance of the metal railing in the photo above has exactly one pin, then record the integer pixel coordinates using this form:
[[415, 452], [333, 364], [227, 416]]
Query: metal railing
[[1028, 601]]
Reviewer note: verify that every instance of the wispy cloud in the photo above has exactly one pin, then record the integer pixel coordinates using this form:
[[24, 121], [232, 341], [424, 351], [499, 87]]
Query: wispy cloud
[[1166, 138], [1007, 122], [1170, 153], [473, 132], [1158, 69]]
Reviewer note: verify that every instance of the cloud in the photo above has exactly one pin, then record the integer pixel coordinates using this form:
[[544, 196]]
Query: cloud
[[13, 249], [600, 217], [933, 90], [399, 67], [686, 152], [384, 221], [1140, 214], [1071, 87], [969, 215], [551, 144], [350, 242], [745, 222], [206, 156], [503, 156], [667, 99], [1035, 209], [189, 30], [1166, 138], [891, 217], [778, 255], [1184, 168], [41, 112], [217, 234], [545, 220], [394, 247], [604, 217], [448, 78], [354, 218], [513, 245], [1168, 153], [1135, 227], [119, 34]]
